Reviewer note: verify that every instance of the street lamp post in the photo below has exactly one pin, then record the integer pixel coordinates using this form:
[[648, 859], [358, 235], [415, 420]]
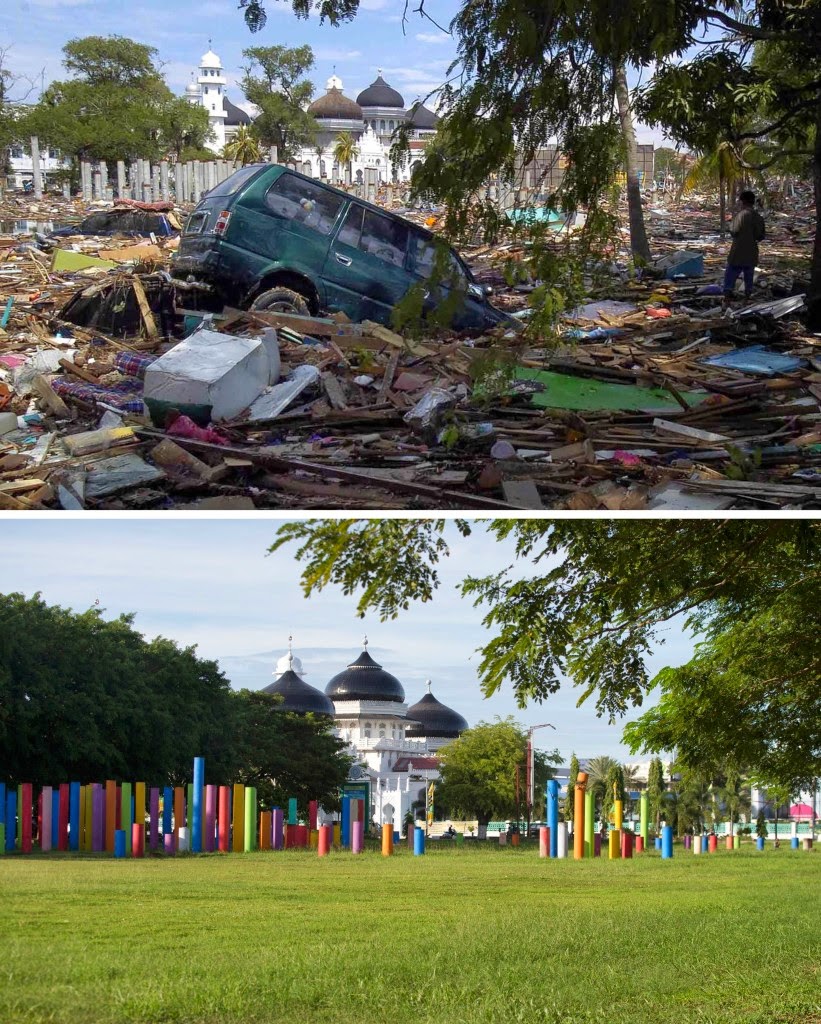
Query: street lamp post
[[530, 768]]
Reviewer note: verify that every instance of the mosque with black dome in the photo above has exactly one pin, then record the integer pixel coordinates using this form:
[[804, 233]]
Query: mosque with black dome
[[371, 120], [394, 743]]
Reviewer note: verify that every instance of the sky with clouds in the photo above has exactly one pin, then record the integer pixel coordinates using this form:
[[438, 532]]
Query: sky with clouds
[[413, 55], [211, 583]]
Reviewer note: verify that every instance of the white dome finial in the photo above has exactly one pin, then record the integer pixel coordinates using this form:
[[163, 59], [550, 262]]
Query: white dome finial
[[428, 684]]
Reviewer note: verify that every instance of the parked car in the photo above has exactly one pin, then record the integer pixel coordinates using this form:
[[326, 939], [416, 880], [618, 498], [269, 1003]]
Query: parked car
[[271, 238]]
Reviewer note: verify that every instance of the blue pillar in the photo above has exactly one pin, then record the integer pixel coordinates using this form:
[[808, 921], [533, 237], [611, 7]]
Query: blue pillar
[[553, 816], [11, 818], [167, 809], [119, 842], [658, 842], [760, 842], [705, 844], [55, 816], [346, 822], [418, 841], [794, 842], [74, 816], [667, 842], [2, 803], [196, 818]]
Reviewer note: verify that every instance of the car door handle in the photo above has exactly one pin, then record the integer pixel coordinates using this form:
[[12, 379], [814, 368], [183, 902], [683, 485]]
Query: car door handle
[[344, 260]]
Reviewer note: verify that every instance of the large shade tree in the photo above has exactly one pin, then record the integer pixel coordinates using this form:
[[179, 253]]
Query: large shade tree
[[595, 601]]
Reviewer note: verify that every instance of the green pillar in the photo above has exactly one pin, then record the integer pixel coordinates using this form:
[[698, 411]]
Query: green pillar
[[589, 813], [250, 834], [643, 817]]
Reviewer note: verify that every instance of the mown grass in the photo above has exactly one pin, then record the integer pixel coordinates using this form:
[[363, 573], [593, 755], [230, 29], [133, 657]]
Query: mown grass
[[473, 935]]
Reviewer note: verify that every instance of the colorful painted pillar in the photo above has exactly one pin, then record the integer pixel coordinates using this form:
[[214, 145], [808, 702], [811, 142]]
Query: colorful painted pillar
[[153, 817], [553, 815], [544, 841], [626, 844], [210, 817], [74, 816], [617, 815], [197, 789], [578, 816], [88, 828], [18, 841], [597, 845], [45, 813], [759, 842], [2, 817], [697, 845], [110, 814], [167, 811], [126, 814], [276, 828], [55, 817], [265, 830], [224, 817], [137, 839], [26, 815], [589, 823], [418, 842], [337, 836], [614, 844], [292, 811], [189, 813], [168, 844], [98, 826], [139, 803], [712, 842], [179, 809], [561, 837], [238, 823], [11, 818], [643, 816], [387, 840], [313, 810], [63, 818], [357, 836], [705, 844], [119, 843], [323, 846], [250, 833], [667, 842], [346, 821], [639, 844]]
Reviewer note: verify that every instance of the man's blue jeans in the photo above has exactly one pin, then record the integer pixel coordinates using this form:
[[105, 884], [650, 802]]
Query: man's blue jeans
[[731, 276]]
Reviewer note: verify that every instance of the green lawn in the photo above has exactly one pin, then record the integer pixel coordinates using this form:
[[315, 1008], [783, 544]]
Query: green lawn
[[466, 935]]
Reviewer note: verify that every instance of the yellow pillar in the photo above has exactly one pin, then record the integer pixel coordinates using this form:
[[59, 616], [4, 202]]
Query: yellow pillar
[[617, 815], [239, 818], [614, 840], [337, 834], [139, 803], [578, 816], [313, 839], [387, 840]]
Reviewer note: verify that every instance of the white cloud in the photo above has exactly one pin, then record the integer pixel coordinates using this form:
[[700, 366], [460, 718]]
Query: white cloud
[[331, 54], [437, 38]]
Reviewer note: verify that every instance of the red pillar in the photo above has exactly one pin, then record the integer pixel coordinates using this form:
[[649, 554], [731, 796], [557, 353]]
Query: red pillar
[[26, 811], [62, 820]]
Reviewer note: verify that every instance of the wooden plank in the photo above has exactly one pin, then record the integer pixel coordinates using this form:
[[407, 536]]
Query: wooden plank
[[689, 433], [49, 397], [522, 493], [145, 309], [333, 389]]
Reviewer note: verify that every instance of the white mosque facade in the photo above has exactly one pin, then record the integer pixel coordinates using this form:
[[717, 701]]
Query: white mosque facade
[[394, 744], [370, 120]]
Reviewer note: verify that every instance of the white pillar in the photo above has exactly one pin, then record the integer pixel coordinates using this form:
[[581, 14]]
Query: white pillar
[[35, 166], [165, 189], [121, 178], [562, 840]]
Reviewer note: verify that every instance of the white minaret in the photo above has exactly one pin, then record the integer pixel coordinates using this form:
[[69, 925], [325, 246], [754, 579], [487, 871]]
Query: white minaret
[[211, 81]]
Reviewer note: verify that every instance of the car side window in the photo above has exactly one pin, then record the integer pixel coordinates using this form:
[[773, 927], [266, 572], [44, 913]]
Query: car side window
[[294, 199], [385, 238], [423, 256], [351, 229]]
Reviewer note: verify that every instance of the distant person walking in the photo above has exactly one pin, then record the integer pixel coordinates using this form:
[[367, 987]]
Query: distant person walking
[[747, 230]]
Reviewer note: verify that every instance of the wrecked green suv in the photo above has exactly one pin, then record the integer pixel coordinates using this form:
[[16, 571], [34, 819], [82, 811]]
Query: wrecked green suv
[[271, 238]]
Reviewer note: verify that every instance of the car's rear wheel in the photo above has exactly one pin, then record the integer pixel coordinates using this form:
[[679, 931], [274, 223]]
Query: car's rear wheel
[[282, 300]]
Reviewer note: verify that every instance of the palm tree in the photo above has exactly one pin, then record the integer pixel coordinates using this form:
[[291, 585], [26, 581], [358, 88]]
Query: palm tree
[[639, 246], [721, 166], [599, 770], [243, 148], [345, 150]]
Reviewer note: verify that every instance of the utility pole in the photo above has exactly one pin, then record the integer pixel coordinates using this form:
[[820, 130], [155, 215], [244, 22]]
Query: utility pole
[[530, 776]]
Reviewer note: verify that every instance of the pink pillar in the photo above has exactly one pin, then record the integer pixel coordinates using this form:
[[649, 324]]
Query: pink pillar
[[224, 818], [358, 836], [169, 845], [210, 817], [276, 828], [62, 820], [26, 811], [544, 841], [597, 845], [45, 831], [154, 816]]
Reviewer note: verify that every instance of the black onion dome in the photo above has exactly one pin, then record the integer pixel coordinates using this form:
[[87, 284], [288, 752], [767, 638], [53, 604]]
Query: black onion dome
[[365, 679], [433, 718], [335, 105], [234, 115], [299, 696], [380, 94], [421, 117]]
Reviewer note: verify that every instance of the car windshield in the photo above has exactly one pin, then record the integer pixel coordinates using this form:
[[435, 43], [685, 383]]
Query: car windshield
[[234, 182]]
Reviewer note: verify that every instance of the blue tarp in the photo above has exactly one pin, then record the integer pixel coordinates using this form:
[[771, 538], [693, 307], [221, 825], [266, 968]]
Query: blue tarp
[[757, 359]]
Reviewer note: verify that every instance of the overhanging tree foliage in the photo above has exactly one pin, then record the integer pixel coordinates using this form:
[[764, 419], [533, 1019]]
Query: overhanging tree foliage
[[596, 600]]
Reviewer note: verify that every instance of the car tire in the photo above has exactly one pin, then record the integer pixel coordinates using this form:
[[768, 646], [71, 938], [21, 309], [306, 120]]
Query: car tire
[[282, 300]]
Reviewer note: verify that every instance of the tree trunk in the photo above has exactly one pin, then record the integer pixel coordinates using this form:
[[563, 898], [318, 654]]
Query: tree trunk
[[722, 203], [639, 246], [814, 297]]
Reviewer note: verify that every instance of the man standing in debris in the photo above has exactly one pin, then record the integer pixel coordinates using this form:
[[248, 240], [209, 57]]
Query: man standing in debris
[[747, 230]]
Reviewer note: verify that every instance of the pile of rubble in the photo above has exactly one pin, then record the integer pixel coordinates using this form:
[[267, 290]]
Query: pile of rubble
[[657, 398]]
